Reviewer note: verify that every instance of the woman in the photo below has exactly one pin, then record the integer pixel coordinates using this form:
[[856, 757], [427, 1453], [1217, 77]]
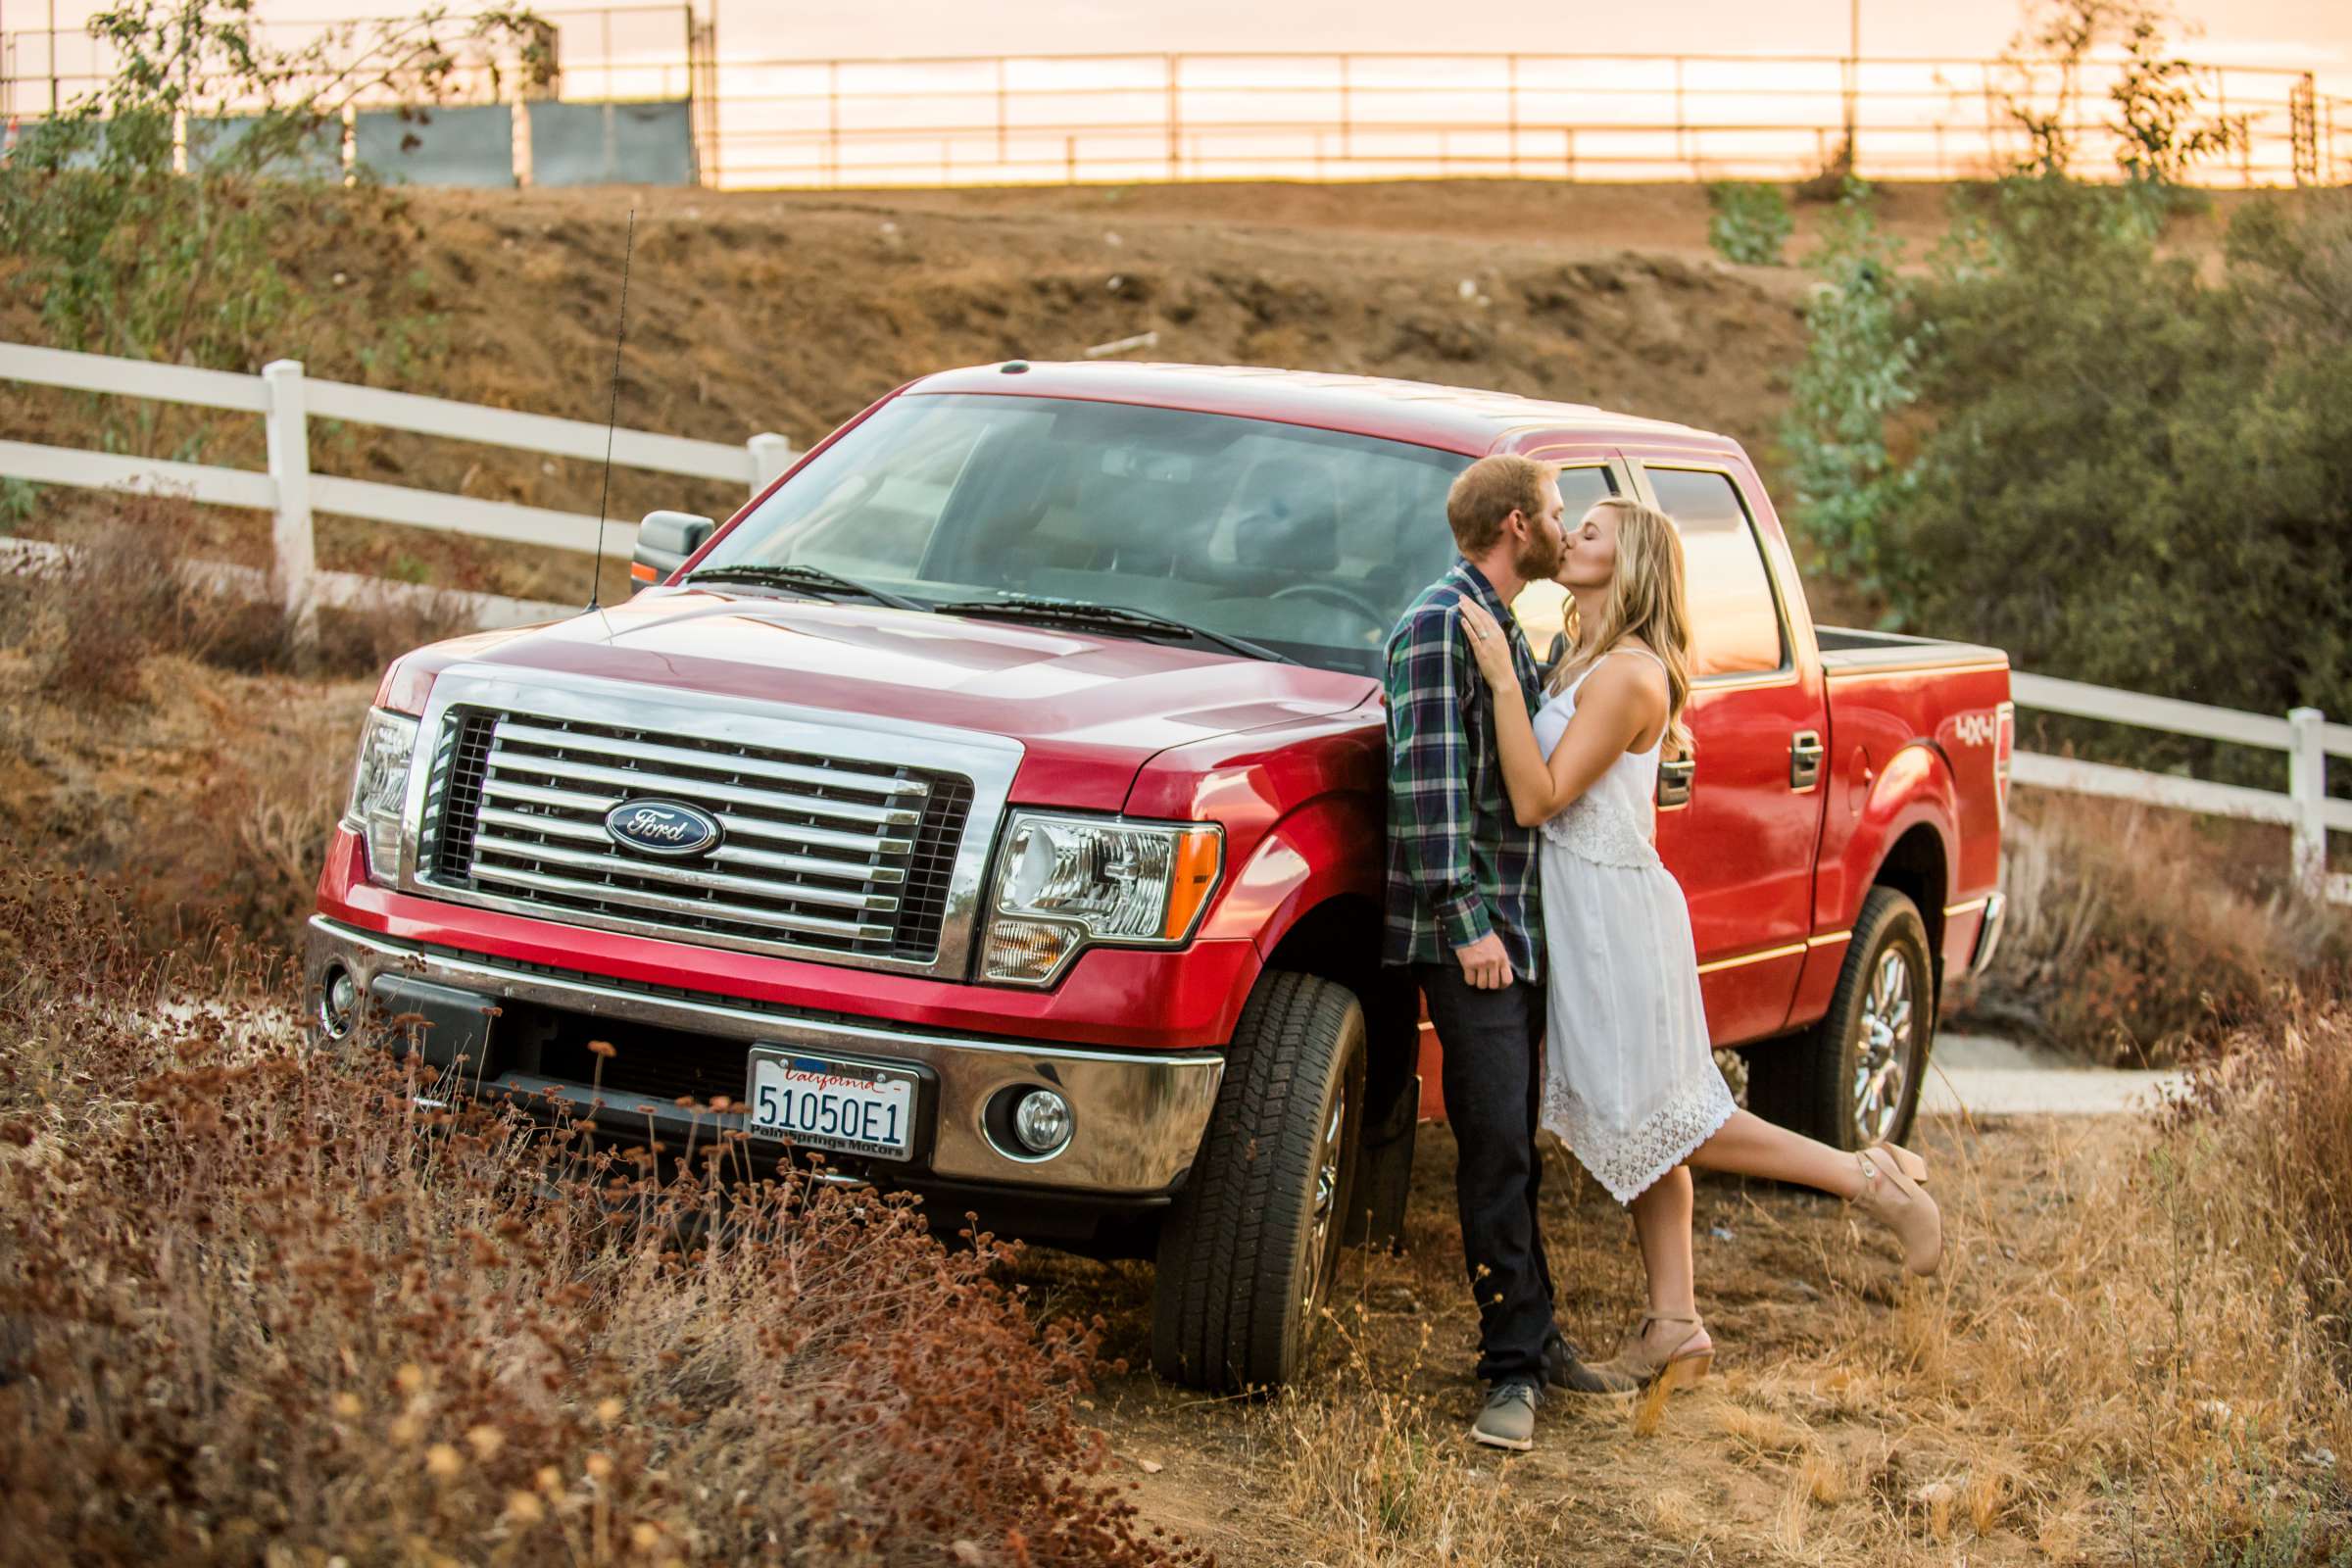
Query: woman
[[1630, 1081]]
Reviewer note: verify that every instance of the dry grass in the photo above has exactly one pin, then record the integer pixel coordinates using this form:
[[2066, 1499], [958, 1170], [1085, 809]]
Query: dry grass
[[134, 586], [122, 596], [2141, 937], [2284, 1093], [1379, 1475], [157, 736], [2137, 1353], [256, 1304]]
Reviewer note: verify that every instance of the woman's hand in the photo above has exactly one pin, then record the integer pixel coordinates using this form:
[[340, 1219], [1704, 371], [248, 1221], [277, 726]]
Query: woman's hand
[[1490, 646]]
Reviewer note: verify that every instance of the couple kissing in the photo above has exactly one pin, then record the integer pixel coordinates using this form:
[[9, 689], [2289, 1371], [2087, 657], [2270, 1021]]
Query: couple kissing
[[1552, 946]]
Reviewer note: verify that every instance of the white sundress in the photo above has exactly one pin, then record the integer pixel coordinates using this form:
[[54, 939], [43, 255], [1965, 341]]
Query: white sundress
[[1630, 1082]]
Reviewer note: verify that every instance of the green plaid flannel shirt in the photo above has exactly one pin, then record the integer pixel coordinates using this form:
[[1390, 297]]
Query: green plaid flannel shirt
[[1460, 866]]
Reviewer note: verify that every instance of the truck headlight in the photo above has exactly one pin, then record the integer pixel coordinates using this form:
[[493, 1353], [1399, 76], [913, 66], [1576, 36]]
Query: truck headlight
[[1069, 882], [379, 789]]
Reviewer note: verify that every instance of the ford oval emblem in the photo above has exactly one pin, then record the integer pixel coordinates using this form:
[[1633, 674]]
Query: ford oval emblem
[[663, 827]]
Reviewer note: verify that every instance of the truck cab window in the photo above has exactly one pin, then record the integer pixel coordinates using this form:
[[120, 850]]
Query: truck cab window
[[1309, 542], [1734, 622]]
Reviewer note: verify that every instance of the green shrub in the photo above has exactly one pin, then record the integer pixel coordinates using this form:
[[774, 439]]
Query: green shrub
[[1858, 371], [2134, 476], [2139, 936], [2067, 443], [125, 255], [1751, 223]]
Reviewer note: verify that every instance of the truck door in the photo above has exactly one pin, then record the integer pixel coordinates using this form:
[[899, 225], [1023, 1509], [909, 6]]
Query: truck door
[[1740, 823]]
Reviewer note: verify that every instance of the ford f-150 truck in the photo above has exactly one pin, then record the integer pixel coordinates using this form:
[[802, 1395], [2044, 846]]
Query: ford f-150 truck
[[995, 804]]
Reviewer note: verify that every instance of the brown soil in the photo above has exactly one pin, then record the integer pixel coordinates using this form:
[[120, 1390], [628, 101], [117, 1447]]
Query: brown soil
[[1853, 1415], [205, 800], [790, 312]]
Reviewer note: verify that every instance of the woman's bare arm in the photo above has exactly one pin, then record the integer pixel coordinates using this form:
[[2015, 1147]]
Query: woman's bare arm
[[1619, 702], [1622, 701]]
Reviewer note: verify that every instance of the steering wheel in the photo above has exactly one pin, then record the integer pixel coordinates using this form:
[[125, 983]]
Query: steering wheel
[[1344, 598]]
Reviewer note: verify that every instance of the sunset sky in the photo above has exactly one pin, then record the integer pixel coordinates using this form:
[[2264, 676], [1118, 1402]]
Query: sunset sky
[[2311, 34], [874, 125], [2305, 34]]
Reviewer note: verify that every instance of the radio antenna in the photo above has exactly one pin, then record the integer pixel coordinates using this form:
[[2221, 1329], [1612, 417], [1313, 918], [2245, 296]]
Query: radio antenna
[[604, 498]]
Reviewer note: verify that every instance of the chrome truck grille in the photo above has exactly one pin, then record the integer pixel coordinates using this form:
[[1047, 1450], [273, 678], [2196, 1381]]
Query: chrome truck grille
[[818, 854]]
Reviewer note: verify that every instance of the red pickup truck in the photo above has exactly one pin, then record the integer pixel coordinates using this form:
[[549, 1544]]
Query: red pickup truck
[[995, 804]]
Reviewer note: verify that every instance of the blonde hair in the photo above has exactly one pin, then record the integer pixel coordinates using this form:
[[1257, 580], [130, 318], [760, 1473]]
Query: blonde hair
[[1490, 490], [1646, 601]]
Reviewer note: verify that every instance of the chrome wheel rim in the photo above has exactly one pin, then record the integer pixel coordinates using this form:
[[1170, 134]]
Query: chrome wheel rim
[[1325, 1231], [1882, 1060]]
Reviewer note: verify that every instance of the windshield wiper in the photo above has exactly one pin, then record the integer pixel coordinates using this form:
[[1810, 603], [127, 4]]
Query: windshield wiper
[[1084, 612], [809, 579]]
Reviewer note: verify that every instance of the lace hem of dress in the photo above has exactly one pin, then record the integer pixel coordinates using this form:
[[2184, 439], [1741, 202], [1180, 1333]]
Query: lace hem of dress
[[1593, 830], [1627, 1162]]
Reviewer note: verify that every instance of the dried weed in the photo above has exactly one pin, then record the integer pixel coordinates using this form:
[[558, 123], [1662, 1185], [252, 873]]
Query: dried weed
[[1375, 1475], [259, 1303], [2141, 937]]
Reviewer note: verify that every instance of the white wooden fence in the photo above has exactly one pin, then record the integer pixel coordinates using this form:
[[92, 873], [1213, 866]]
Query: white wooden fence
[[2304, 735], [288, 401], [282, 396]]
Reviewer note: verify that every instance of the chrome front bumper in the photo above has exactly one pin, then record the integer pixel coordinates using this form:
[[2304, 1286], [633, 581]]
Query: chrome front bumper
[[1138, 1116]]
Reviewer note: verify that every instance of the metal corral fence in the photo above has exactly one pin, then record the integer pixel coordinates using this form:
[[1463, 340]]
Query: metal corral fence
[[1145, 116], [284, 397], [1373, 116]]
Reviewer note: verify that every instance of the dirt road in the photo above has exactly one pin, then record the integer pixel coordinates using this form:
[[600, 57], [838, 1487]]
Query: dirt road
[[1977, 1075], [1845, 1416]]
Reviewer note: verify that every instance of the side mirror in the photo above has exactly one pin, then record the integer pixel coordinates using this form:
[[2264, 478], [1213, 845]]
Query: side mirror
[[665, 539], [1553, 654]]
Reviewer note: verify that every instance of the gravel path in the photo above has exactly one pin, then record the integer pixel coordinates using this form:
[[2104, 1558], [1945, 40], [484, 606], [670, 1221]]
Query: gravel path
[[1981, 1076]]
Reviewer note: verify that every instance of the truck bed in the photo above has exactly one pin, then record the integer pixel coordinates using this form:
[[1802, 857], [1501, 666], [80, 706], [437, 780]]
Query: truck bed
[[1846, 649]]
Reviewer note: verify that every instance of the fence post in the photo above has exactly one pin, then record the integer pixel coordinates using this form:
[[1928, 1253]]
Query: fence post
[[2307, 787], [296, 550], [771, 455]]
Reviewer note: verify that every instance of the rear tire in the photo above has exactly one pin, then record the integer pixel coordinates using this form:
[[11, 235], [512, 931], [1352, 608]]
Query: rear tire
[[1251, 1248], [1852, 1080]]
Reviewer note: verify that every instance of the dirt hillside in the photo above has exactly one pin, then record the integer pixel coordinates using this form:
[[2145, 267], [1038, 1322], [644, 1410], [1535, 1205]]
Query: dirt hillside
[[789, 312]]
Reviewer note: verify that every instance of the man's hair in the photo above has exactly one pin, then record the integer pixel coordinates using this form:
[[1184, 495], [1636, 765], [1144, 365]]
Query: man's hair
[[1491, 490]]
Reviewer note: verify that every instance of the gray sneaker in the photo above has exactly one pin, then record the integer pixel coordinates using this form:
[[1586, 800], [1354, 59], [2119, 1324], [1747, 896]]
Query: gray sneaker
[[1509, 1419]]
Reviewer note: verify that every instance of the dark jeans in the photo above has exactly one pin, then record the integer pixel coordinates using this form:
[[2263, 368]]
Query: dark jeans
[[1493, 1040]]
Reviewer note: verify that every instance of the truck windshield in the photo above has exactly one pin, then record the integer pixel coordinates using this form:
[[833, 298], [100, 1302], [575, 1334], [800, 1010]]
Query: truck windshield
[[1308, 542]]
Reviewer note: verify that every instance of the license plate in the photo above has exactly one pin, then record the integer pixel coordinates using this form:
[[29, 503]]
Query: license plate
[[820, 1103]]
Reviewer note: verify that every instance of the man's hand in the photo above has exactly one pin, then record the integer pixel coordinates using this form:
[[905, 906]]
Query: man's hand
[[1485, 964]]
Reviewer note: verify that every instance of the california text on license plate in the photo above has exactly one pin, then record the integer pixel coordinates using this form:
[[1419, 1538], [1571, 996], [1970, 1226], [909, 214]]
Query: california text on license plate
[[820, 1103]]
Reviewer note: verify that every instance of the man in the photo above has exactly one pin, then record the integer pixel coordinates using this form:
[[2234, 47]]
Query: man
[[1463, 912]]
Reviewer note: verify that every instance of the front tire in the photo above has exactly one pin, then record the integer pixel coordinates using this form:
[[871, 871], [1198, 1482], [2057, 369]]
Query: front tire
[[1251, 1248], [1853, 1079]]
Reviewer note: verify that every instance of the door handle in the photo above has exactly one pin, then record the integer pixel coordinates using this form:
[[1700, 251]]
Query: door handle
[[1674, 783], [1804, 760]]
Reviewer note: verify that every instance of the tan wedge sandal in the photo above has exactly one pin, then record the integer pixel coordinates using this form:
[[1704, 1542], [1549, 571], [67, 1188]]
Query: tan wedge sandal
[[1678, 1368], [1909, 1164], [1895, 1201]]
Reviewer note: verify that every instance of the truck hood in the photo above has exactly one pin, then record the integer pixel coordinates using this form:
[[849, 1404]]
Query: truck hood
[[1090, 710]]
